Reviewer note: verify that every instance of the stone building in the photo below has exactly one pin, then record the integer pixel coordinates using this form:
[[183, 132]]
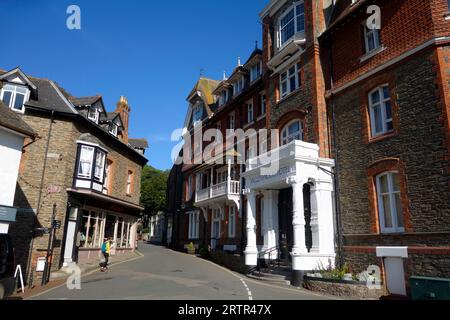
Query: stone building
[[81, 171], [388, 90]]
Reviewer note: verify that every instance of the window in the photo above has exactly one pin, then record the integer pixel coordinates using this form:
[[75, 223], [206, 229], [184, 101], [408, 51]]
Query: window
[[371, 38], [249, 112], [223, 99], [292, 22], [232, 222], [99, 171], [289, 80], [107, 176], [238, 86], [293, 131], [380, 111], [198, 114], [129, 182], [263, 104], [194, 219], [93, 114], [14, 97], [255, 72], [189, 188], [389, 203], [86, 160], [232, 124], [113, 129]]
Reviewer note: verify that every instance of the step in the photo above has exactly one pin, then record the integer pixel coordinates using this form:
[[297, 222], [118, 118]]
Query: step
[[267, 277]]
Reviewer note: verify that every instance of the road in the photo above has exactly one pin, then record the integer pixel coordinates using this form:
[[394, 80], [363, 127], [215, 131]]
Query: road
[[162, 274]]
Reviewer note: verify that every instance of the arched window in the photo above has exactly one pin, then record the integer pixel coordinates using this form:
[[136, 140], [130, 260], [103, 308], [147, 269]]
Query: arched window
[[293, 131], [389, 202]]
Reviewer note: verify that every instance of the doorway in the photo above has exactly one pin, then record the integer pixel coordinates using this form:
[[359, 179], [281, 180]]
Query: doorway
[[286, 230]]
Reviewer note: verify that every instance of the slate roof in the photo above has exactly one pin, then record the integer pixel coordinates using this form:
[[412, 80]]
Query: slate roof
[[11, 120], [138, 143], [84, 101]]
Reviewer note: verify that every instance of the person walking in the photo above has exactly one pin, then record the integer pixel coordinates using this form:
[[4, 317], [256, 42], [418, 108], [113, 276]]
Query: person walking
[[106, 250]]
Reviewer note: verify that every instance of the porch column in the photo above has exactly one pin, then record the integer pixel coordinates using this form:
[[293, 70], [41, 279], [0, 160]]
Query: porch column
[[270, 222], [325, 222], [229, 177], [251, 251], [315, 195], [299, 247], [116, 228]]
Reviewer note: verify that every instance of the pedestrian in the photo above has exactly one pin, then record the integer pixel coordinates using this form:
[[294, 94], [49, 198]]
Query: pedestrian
[[106, 250]]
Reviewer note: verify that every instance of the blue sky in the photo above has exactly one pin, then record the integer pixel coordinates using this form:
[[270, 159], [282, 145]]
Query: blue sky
[[149, 51]]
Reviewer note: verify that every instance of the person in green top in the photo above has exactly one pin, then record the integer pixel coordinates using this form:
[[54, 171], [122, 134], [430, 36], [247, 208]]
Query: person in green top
[[106, 250]]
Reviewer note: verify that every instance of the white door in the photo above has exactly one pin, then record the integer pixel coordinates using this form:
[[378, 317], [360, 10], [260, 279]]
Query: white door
[[395, 276], [68, 251]]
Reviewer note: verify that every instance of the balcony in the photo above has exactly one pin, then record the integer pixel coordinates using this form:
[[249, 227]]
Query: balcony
[[227, 190]]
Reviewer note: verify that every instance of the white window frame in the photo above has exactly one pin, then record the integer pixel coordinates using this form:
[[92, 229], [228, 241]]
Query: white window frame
[[285, 139], [197, 114], [89, 161], [99, 167], [194, 225], [14, 94], [97, 112], [108, 165], [287, 80], [238, 86], [376, 38], [129, 181], [232, 221], [295, 20], [392, 194], [250, 114], [113, 129], [263, 99], [382, 104], [256, 71]]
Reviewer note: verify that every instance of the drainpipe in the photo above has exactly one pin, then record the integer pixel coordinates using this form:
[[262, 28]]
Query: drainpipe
[[30, 253], [339, 227]]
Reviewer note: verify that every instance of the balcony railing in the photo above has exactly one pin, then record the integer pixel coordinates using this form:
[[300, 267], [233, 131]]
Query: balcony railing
[[218, 190]]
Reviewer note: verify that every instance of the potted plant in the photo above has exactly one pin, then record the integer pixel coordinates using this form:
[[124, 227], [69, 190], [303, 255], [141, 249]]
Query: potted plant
[[190, 248]]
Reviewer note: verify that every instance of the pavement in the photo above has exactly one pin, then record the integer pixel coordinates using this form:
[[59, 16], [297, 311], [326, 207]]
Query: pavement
[[163, 274]]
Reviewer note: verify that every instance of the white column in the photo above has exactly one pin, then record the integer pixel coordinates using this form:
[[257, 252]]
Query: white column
[[229, 177], [88, 230], [325, 229], [315, 195], [251, 251], [298, 222], [270, 222], [116, 228]]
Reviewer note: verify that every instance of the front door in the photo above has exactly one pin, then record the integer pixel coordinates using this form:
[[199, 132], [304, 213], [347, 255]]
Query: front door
[[285, 223]]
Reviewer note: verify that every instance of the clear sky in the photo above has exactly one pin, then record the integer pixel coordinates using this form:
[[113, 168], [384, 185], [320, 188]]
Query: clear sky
[[151, 51]]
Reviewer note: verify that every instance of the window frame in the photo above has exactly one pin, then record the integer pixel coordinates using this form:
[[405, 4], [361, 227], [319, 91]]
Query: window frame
[[26, 96], [288, 82], [113, 129], [97, 114], [238, 86], [231, 222], [197, 110], [263, 101], [382, 105], [280, 43], [129, 186], [194, 225], [256, 71], [376, 37], [250, 111], [284, 140], [392, 193]]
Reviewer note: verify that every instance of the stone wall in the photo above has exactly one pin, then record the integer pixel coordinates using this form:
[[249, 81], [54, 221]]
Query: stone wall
[[342, 289]]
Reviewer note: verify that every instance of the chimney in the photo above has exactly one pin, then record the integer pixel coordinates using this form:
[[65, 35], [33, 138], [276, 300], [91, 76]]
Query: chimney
[[124, 110]]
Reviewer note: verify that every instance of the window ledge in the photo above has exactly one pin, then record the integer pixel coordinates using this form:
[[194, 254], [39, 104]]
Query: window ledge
[[261, 117], [289, 95], [447, 16], [371, 54], [249, 124], [383, 137]]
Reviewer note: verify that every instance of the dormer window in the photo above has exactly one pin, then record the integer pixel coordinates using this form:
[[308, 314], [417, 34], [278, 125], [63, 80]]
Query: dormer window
[[223, 99], [238, 86], [255, 72], [93, 114], [197, 114], [292, 22], [15, 96], [113, 129], [90, 168]]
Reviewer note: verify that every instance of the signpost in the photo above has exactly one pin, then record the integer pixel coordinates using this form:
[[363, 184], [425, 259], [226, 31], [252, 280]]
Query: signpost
[[55, 225]]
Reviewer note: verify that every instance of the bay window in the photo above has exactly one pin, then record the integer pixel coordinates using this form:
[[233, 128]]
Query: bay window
[[90, 168], [289, 80], [380, 111], [15, 96], [389, 203], [292, 22]]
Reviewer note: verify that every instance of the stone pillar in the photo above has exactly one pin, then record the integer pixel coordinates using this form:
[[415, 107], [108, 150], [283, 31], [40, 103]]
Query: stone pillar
[[270, 222], [298, 222], [251, 251]]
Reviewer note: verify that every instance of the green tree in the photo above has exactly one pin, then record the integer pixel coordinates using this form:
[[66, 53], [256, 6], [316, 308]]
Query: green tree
[[153, 189]]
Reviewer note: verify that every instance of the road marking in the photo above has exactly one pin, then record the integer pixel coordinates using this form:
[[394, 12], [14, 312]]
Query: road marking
[[250, 297], [141, 255]]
